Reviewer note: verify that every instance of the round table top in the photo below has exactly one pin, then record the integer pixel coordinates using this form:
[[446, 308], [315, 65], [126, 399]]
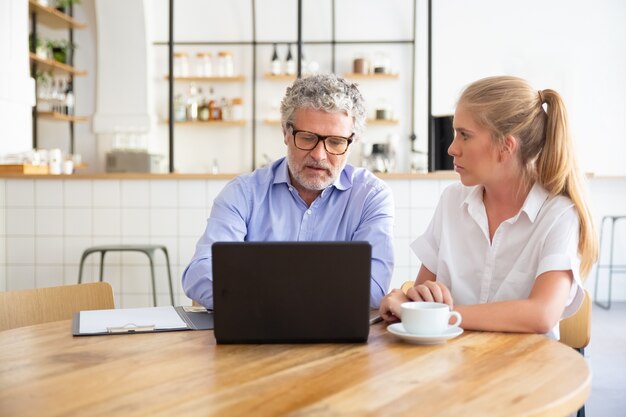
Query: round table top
[[44, 370]]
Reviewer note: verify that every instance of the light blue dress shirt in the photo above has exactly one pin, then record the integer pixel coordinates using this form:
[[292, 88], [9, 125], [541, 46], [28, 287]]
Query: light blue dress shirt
[[264, 206]]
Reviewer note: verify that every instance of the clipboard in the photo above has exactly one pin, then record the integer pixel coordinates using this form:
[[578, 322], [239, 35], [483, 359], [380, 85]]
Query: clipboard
[[141, 320]]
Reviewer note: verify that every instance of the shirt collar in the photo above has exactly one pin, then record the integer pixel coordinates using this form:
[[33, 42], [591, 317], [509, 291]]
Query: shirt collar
[[533, 203]]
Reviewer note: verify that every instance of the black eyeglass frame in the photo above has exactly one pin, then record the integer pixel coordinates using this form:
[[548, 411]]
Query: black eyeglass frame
[[295, 131]]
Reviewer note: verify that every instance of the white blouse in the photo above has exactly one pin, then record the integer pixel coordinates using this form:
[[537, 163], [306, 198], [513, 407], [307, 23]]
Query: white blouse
[[541, 237]]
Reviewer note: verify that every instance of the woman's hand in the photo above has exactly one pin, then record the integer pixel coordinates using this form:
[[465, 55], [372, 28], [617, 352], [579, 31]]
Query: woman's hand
[[431, 291], [390, 305]]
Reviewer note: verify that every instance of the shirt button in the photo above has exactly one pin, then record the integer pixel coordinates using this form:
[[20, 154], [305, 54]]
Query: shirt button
[[309, 212], [290, 189]]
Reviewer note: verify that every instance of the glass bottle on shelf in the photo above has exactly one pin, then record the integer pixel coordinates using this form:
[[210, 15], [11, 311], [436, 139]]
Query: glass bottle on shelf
[[225, 65], [290, 63], [69, 99], [192, 103], [275, 63], [203, 108], [180, 109]]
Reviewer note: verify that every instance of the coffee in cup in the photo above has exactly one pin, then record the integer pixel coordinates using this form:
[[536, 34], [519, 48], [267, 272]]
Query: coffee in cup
[[421, 317]]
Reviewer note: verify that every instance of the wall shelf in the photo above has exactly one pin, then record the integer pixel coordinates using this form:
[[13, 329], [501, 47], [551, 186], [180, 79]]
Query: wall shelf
[[213, 122], [279, 77], [383, 122], [52, 115], [372, 76], [53, 18], [56, 65], [235, 78]]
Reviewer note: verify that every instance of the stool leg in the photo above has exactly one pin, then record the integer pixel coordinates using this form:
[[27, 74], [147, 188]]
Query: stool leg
[[154, 297], [169, 274], [80, 268], [598, 267], [102, 264], [608, 305]]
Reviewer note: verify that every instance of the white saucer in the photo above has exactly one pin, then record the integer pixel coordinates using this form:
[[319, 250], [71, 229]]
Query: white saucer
[[424, 339]]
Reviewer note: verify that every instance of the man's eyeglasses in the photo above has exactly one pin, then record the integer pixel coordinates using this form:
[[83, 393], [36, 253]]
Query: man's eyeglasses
[[306, 141]]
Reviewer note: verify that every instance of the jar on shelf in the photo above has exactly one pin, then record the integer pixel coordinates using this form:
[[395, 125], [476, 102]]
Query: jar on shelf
[[181, 64], [360, 65], [225, 65], [203, 64], [236, 109], [381, 64], [383, 110]]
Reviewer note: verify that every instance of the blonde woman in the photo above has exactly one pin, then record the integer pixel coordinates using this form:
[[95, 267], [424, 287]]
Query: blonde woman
[[508, 245]]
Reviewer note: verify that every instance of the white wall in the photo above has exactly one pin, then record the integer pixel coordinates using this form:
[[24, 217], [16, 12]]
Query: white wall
[[574, 47], [16, 87], [46, 224]]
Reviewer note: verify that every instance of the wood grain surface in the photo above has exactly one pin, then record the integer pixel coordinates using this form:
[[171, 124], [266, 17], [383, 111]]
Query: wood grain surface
[[46, 371]]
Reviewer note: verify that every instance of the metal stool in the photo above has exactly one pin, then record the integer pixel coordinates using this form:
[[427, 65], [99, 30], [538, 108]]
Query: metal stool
[[146, 249], [611, 267]]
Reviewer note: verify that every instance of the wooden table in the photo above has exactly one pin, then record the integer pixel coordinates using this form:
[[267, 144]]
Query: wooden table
[[44, 371]]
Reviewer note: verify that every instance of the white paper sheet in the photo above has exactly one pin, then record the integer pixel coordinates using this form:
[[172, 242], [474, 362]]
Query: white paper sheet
[[98, 321]]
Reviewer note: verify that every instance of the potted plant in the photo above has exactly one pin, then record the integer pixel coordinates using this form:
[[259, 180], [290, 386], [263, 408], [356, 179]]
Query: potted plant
[[64, 6], [62, 50], [38, 47]]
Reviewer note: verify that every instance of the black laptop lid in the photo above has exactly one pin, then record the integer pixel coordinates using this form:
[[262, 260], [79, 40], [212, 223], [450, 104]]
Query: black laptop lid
[[291, 292]]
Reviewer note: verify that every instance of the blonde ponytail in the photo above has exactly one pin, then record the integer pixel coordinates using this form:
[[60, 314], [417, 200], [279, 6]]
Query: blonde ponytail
[[557, 172]]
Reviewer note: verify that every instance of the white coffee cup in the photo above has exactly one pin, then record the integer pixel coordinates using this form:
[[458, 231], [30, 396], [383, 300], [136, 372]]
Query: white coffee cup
[[427, 318]]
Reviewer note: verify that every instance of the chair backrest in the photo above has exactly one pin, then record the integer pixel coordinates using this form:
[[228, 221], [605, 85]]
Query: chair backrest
[[42, 305], [576, 329]]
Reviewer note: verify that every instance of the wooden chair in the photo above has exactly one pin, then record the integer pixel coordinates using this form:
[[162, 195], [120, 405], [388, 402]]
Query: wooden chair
[[576, 331], [43, 305]]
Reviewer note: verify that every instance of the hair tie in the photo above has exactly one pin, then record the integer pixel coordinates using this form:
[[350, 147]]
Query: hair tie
[[540, 97]]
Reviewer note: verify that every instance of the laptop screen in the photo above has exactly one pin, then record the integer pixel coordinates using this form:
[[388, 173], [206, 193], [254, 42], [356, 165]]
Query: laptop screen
[[291, 292]]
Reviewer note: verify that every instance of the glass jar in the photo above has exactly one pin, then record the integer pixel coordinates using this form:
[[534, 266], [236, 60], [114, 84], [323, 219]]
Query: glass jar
[[360, 65], [203, 64], [181, 64], [225, 65], [381, 64], [236, 109], [383, 110]]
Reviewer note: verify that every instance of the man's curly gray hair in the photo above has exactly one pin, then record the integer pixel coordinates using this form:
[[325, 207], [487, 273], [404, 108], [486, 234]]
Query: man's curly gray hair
[[325, 92]]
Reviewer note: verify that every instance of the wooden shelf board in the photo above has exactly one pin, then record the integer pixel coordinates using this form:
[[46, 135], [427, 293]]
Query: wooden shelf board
[[23, 169], [235, 78], [53, 18], [383, 122], [271, 121], [371, 76], [50, 63], [279, 77], [62, 117], [213, 122]]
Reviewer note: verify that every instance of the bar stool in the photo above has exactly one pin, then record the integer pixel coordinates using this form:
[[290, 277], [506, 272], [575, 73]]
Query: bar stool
[[148, 250], [617, 269]]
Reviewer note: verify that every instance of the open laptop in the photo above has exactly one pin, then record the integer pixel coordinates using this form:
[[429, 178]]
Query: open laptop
[[291, 292]]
